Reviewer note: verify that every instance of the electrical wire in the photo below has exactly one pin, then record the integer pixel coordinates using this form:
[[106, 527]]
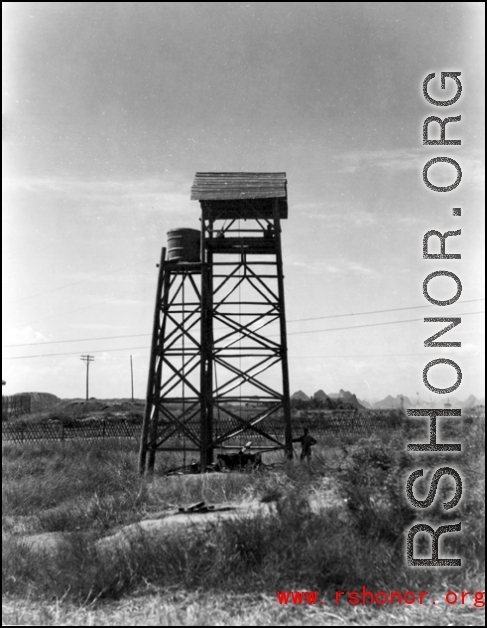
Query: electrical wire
[[76, 283], [292, 333], [86, 307], [296, 320], [57, 342], [409, 320], [294, 357], [395, 309]]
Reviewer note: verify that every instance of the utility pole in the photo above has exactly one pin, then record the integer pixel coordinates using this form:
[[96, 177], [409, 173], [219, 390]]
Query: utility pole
[[132, 377], [87, 359]]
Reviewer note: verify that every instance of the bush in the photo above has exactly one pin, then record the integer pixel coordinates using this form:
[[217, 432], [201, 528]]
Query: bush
[[373, 479], [291, 548]]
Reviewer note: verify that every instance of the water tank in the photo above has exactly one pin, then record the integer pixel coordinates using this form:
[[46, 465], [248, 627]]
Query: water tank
[[183, 245]]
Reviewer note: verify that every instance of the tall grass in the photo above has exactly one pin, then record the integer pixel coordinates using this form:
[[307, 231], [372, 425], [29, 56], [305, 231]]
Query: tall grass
[[72, 486], [86, 489], [293, 548], [95, 486]]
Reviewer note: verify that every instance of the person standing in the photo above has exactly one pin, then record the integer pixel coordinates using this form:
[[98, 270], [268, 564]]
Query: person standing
[[307, 441]]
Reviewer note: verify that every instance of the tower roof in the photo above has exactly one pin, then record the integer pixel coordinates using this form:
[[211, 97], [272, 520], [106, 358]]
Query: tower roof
[[227, 194]]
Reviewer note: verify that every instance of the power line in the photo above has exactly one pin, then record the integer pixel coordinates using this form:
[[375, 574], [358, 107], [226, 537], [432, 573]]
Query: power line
[[57, 342], [409, 320], [293, 357], [292, 333], [48, 355], [395, 309], [76, 283], [296, 320], [86, 307]]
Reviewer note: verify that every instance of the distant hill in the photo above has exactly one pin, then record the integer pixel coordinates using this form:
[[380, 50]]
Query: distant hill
[[348, 397], [416, 402], [393, 403], [390, 402], [320, 395], [365, 404], [300, 395], [471, 402]]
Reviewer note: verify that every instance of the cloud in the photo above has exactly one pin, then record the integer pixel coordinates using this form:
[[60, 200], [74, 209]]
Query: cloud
[[349, 218], [23, 335], [408, 220], [359, 269], [344, 267], [162, 194], [405, 159], [337, 213], [397, 159]]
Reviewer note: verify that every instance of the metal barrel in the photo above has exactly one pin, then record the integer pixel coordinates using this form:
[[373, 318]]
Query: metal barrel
[[183, 245]]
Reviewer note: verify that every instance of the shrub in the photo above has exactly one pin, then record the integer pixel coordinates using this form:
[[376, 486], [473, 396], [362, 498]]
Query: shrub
[[372, 479], [291, 548]]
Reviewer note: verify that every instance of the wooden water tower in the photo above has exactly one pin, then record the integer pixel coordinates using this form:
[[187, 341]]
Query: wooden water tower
[[218, 374]]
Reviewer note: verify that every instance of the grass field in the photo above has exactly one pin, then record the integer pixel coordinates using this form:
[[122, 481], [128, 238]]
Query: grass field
[[228, 573]]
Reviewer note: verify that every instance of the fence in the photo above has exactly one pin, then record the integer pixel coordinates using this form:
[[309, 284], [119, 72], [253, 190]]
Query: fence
[[344, 422], [15, 405], [320, 425], [325, 422], [75, 431]]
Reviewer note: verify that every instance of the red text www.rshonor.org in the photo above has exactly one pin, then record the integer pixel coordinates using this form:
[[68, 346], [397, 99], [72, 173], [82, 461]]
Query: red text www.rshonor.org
[[311, 598]]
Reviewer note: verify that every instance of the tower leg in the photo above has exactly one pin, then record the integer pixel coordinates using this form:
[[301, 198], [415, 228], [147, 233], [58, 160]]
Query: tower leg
[[144, 437], [206, 381], [286, 401]]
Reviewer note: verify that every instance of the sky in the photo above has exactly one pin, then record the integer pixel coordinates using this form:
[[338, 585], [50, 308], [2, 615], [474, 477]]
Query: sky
[[110, 108]]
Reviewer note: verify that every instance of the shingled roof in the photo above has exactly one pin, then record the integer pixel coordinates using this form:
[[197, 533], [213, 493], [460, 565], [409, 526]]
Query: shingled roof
[[221, 191]]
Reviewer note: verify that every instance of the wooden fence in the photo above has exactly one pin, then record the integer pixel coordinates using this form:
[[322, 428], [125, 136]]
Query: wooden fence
[[320, 426], [15, 405], [76, 431], [343, 422], [324, 423]]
